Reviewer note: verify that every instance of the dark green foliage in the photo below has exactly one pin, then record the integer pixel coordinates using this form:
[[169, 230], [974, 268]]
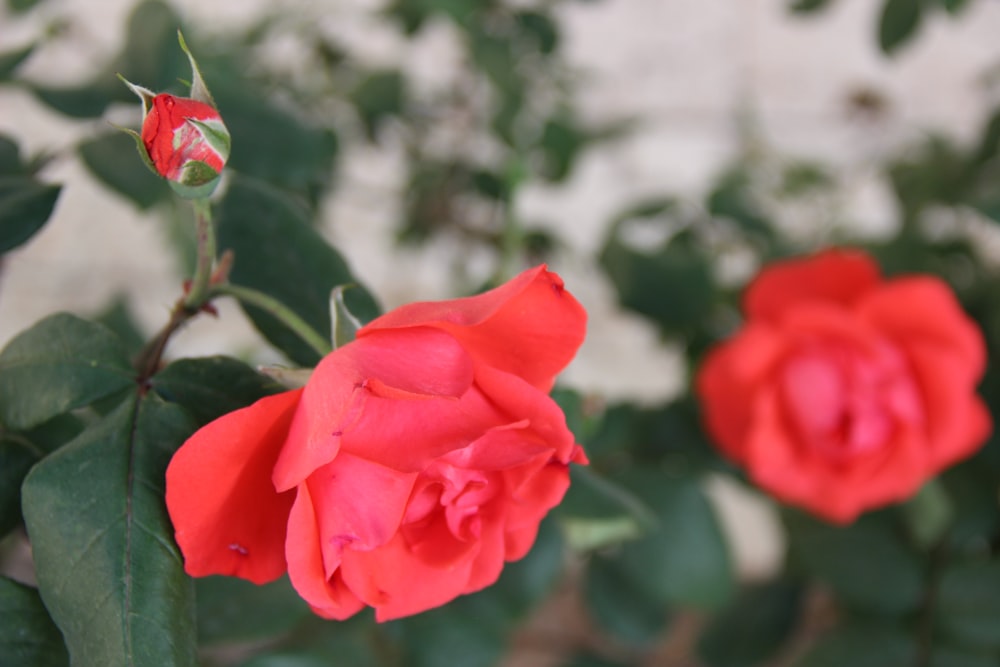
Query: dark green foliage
[[279, 252]]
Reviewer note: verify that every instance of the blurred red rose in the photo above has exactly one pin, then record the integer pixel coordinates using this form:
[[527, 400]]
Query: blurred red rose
[[415, 462], [844, 391]]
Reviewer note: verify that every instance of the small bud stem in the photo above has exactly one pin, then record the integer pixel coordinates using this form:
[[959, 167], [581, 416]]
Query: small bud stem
[[205, 235], [277, 310]]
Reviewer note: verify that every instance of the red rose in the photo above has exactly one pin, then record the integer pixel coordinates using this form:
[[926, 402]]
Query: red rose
[[844, 391], [416, 460], [185, 140]]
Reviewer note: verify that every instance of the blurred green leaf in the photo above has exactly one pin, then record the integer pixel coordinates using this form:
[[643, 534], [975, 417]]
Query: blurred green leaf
[[643, 275], [151, 56], [972, 492], [118, 317], [589, 660], [929, 514], [107, 566], [868, 646], [112, 159], [944, 656], [968, 604], [379, 96], [754, 627], [627, 611], [209, 387], [20, 6], [28, 637], [279, 252], [25, 206], [867, 563], [270, 143], [684, 561], [808, 6], [84, 101], [11, 60], [471, 631], [954, 6], [540, 28], [525, 583], [733, 197], [59, 364], [231, 609], [898, 23], [598, 511], [561, 143]]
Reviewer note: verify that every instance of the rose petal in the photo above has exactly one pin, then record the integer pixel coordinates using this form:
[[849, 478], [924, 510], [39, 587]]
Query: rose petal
[[326, 594], [529, 326], [728, 379], [836, 276], [226, 513], [359, 504], [957, 421], [359, 386], [397, 583], [924, 309]]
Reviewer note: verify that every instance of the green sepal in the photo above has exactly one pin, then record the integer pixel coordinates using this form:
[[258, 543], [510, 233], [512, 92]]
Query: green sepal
[[199, 91], [191, 191], [144, 94], [216, 134], [140, 147], [344, 324]]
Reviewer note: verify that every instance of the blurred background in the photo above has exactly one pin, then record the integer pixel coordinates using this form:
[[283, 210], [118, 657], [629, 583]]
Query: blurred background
[[654, 152]]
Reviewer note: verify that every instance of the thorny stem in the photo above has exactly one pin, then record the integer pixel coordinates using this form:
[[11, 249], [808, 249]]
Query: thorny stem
[[205, 235], [276, 309]]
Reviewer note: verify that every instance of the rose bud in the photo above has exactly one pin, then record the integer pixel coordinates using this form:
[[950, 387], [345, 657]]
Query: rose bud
[[845, 391], [417, 459], [183, 139]]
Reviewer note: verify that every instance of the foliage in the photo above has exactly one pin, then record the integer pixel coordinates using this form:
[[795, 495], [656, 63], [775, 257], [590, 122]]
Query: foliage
[[91, 409]]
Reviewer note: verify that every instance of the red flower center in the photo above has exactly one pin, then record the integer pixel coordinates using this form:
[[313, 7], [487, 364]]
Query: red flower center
[[848, 402]]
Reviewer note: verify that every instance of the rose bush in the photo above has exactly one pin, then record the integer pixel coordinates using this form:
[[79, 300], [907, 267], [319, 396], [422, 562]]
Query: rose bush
[[844, 391], [413, 464]]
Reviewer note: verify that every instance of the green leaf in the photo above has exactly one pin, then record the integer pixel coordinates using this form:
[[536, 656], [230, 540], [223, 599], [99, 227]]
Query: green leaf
[[954, 7], [639, 274], [929, 514], [270, 143], [85, 101], [278, 252], [619, 606], [17, 455], [870, 646], [524, 583], [968, 604], [867, 564], [684, 561], [946, 656], [808, 6], [10, 60], [19, 452], [378, 97], [210, 387], [118, 317], [471, 631], [25, 206], [28, 637], [754, 627], [898, 23], [151, 55], [112, 159], [598, 512], [107, 566], [20, 6], [59, 364], [231, 609]]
